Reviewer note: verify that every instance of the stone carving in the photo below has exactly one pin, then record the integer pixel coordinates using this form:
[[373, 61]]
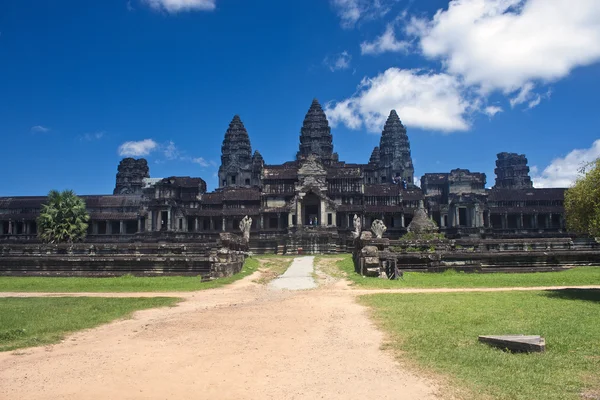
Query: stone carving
[[421, 223], [378, 228], [357, 226], [130, 176], [315, 135], [512, 172], [236, 155], [245, 225], [394, 150]]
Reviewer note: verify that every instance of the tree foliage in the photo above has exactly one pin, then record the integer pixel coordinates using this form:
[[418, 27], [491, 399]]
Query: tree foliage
[[63, 218], [582, 202]]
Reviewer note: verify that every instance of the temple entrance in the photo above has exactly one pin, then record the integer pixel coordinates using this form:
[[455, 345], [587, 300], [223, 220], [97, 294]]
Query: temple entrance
[[311, 205]]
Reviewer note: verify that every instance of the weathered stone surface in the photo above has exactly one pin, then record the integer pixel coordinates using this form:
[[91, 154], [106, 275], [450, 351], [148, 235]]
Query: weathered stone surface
[[130, 176], [357, 225], [421, 223], [315, 135], [245, 225], [370, 251], [366, 235], [516, 343], [512, 172], [394, 151], [236, 156], [378, 228]]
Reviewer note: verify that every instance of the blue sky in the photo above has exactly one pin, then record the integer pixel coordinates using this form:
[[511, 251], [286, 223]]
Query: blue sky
[[84, 83]]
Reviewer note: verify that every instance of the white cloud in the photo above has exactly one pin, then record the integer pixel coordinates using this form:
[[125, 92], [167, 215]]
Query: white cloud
[[338, 62], [137, 149], [175, 6], [39, 129], [507, 45], [171, 151], [201, 161], [352, 11], [563, 172], [492, 110], [422, 99], [93, 136], [384, 43]]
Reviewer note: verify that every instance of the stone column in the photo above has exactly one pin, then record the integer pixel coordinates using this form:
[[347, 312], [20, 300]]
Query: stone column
[[149, 221], [299, 221], [196, 225], [169, 226], [121, 227], [278, 221], [521, 221], [505, 220], [290, 222], [139, 221], [334, 218], [108, 228], [323, 216], [211, 224], [402, 224], [262, 221], [224, 224], [10, 227]]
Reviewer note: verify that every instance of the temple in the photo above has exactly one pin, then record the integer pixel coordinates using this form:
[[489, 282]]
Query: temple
[[315, 194]]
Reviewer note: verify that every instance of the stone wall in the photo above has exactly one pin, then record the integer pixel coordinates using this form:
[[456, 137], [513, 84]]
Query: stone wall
[[373, 256], [215, 259]]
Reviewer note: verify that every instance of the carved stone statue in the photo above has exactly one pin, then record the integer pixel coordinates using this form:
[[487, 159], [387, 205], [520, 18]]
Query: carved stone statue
[[245, 225], [357, 226], [378, 228]]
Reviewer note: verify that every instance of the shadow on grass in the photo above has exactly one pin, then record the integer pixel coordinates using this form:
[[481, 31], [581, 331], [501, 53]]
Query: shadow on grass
[[574, 294]]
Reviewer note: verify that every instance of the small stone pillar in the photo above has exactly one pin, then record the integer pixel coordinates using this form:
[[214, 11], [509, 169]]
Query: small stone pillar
[[224, 224], [121, 227]]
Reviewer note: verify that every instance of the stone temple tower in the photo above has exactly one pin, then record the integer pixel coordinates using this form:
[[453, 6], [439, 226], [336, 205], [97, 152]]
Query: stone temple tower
[[394, 151], [512, 172], [130, 176], [236, 156], [315, 136]]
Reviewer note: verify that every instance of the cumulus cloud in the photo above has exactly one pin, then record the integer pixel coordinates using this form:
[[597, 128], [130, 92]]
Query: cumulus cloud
[[422, 99], [387, 42], [137, 149], [39, 129], [491, 111], [175, 6], [562, 172], [507, 45], [338, 61], [351, 12]]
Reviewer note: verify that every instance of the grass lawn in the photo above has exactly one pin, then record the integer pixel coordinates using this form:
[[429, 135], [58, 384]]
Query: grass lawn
[[452, 279], [26, 322], [439, 332], [126, 283]]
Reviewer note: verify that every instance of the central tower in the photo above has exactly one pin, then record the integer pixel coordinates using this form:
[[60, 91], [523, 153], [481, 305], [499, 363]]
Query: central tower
[[315, 136]]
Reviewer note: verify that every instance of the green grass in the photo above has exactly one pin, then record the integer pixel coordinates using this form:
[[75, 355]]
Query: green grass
[[453, 279], [439, 332], [26, 322], [127, 283]]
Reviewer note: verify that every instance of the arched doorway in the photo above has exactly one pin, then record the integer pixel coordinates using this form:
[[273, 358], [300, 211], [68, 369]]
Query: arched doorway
[[311, 209]]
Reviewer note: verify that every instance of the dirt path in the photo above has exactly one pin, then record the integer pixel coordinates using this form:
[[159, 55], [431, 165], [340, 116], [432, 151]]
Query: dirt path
[[243, 341]]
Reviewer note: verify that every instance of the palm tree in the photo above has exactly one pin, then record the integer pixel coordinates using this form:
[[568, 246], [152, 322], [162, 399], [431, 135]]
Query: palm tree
[[63, 218]]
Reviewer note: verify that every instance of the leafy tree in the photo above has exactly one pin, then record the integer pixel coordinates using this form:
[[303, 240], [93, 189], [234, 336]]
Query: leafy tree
[[582, 202], [63, 218]]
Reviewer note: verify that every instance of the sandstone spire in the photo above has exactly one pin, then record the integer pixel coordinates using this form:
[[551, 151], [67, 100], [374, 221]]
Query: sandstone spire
[[315, 135]]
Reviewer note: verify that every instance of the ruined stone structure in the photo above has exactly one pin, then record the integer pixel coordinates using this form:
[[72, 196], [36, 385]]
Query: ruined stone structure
[[310, 202]]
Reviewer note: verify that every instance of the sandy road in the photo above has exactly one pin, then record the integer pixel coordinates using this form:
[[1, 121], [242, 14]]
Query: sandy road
[[243, 341]]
